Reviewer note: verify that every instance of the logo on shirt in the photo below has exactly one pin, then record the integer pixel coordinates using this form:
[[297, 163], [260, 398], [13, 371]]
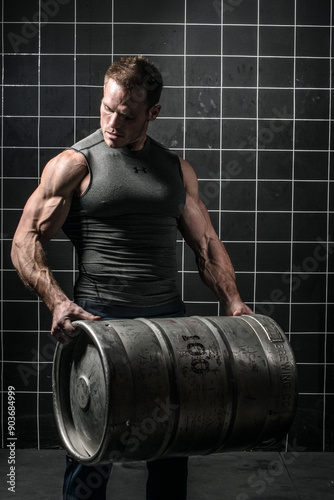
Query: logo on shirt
[[137, 170]]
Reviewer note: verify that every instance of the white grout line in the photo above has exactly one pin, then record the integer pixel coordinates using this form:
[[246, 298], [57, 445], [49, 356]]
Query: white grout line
[[221, 116], [184, 131], [324, 420], [39, 174], [2, 225], [293, 160], [256, 153], [74, 117]]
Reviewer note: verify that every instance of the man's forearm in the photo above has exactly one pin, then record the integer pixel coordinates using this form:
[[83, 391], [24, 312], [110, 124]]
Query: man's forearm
[[31, 264], [217, 272]]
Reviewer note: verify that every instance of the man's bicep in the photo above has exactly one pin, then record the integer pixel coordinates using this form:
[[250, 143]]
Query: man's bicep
[[194, 224], [42, 216]]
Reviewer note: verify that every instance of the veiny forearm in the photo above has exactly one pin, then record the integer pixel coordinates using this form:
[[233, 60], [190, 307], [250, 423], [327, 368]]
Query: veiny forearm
[[217, 272], [30, 261], [214, 264]]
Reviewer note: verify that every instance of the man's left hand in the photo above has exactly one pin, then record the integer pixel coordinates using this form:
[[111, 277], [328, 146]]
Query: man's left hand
[[237, 308]]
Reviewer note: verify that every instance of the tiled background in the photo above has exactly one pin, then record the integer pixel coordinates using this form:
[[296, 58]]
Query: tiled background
[[248, 103]]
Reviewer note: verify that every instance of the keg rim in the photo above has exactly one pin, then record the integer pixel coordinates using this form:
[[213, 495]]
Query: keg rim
[[61, 393]]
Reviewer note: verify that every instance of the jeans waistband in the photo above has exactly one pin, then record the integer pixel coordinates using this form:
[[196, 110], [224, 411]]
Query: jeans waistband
[[173, 309]]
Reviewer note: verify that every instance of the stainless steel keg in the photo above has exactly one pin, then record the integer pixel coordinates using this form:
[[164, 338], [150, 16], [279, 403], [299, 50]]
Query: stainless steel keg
[[144, 389]]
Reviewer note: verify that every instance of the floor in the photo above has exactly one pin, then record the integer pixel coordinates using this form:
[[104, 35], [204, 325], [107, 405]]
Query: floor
[[228, 476]]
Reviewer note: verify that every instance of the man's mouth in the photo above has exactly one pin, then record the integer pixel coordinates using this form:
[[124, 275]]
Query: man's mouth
[[112, 135]]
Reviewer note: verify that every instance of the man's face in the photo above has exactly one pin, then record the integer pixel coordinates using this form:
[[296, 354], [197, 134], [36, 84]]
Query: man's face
[[125, 117]]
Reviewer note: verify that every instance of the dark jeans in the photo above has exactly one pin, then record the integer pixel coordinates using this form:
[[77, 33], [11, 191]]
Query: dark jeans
[[167, 478]]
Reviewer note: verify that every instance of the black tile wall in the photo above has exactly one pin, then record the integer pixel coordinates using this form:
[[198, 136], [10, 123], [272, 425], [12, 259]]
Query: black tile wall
[[280, 13], [248, 103]]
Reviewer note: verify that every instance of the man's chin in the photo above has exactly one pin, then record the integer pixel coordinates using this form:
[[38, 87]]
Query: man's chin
[[113, 143]]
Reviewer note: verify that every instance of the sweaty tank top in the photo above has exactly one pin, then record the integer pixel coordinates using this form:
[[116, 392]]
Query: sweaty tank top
[[124, 225]]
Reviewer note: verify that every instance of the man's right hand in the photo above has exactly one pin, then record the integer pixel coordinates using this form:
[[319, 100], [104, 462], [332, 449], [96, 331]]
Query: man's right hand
[[63, 315]]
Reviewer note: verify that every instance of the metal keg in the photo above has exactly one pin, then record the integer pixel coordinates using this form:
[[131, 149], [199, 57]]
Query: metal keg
[[128, 390]]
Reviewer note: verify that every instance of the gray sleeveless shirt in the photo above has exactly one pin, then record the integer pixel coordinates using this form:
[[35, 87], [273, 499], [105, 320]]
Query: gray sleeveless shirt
[[124, 225]]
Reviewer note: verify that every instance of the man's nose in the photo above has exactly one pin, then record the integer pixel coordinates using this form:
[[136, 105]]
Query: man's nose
[[114, 120]]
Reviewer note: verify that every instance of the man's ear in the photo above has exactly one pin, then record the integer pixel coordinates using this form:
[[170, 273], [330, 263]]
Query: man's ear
[[153, 112]]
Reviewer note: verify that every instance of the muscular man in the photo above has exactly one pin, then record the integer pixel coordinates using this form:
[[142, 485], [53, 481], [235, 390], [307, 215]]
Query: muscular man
[[120, 196]]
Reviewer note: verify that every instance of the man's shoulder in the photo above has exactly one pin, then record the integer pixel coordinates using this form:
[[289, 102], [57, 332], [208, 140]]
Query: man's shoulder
[[63, 173], [89, 142]]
